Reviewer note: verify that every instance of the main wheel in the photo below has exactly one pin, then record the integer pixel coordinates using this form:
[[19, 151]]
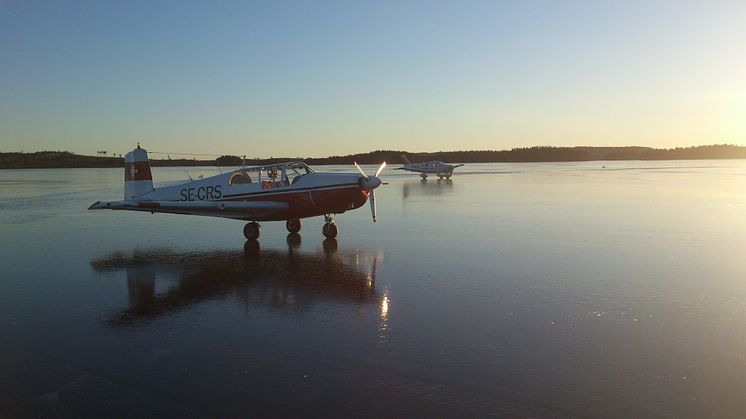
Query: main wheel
[[293, 225], [251, 231], [330, 230], [423, 176]]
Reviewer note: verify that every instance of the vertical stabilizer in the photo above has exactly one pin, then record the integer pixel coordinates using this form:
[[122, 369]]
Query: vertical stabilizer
[[137, 176]]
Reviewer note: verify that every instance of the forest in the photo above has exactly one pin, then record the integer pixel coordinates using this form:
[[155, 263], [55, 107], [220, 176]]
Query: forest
[[64, 159]]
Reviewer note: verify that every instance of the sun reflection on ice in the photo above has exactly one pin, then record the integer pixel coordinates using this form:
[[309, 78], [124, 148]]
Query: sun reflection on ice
[[383, 318]]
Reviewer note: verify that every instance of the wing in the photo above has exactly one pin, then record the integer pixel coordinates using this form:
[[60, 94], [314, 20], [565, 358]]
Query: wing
[[231, 209]]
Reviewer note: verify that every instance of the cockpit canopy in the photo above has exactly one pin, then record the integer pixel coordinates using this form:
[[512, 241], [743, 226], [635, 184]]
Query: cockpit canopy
[[288, 173]]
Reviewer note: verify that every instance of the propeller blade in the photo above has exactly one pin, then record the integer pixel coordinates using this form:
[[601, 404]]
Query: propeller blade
[[380, 169], [372, 199], [360, 169]]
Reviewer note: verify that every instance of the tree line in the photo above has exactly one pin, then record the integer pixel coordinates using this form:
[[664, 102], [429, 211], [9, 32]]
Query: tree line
[[63, 159]]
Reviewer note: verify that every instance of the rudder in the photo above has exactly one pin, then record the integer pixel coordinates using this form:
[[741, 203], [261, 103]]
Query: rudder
[[138, 178]]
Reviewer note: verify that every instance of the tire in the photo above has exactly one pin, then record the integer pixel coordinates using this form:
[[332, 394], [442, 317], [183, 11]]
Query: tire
[[251, 231], [330, 230], [293, 225]]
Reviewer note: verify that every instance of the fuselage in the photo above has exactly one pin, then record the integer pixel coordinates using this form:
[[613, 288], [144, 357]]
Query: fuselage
[[306, 193], [434, 166]]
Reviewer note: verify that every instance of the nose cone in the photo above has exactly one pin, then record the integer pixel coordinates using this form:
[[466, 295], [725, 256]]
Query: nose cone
[[372, 183]]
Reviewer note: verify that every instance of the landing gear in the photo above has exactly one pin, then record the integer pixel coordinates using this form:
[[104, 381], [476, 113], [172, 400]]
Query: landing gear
[[330, 229], [423, 176], [251, 230], [293, 225]]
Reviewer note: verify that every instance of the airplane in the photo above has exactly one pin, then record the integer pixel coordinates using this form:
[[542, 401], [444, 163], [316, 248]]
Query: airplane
[[286, 191], [442, 170]]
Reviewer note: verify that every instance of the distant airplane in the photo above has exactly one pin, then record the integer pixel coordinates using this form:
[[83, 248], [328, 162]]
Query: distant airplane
[[277, 192], [442, 170]]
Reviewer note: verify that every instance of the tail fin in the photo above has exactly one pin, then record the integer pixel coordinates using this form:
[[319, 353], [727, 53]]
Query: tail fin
[[137, 176], [406, 160]]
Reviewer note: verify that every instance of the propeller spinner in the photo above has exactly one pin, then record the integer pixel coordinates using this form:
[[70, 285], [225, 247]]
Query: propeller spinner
[[370, 183]]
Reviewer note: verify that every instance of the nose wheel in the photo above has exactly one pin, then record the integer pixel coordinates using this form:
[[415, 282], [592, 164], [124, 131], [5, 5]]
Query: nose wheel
[[251, 231], [330, 229]]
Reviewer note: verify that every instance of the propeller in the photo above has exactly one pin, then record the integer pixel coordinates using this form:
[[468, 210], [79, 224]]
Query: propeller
[[370, 183]]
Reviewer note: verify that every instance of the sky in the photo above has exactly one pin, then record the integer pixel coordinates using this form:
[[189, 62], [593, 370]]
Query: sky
[[318, 78]]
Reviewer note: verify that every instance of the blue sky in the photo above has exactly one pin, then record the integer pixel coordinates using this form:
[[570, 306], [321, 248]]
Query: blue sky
[[319, 78]]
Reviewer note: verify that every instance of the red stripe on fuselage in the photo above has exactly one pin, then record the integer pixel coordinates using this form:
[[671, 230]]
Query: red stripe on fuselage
[[302, 204]]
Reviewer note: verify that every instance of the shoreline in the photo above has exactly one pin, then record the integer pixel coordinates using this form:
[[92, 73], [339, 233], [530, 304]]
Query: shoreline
[[538, 154], [212, 164]]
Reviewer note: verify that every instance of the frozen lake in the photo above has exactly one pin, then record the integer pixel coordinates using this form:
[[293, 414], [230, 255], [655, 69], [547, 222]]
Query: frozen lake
[[598, 289]]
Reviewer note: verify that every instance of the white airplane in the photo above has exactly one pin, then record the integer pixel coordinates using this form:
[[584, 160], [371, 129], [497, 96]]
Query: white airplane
[[440, 169], [286, 191]]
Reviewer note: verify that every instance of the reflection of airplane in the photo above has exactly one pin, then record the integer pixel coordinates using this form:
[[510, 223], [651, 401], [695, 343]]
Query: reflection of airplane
[[292, 280], [421, 188], [442, 170], [279, 192]]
